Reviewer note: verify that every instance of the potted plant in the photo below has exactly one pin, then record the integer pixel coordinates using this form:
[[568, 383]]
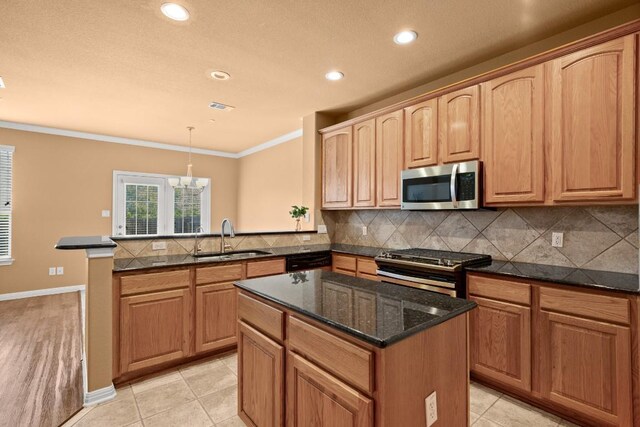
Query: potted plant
[[298, 212]]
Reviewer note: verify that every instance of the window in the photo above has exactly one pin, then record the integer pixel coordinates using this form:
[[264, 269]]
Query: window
[[145, 204], [6, 184]]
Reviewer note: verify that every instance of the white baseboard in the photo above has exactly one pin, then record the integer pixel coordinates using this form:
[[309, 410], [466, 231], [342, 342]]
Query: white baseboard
[[41, 292], [99, 396]]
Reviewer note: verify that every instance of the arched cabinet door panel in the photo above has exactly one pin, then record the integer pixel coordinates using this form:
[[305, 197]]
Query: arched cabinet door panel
[[459, 124]]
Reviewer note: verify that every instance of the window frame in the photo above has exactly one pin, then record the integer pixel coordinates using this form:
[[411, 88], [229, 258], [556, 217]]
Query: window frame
[[8, 259], [166, 200]]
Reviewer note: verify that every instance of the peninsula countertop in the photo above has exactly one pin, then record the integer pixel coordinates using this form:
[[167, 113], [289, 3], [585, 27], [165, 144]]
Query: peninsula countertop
[[304, 293]]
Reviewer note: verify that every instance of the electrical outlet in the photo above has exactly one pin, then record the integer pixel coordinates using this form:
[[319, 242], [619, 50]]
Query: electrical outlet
[[431, 406], [52, 271], [60, 271], [106, 213], [557, 240], [364, 230], [322, 229], [306, 237], [158, 246]]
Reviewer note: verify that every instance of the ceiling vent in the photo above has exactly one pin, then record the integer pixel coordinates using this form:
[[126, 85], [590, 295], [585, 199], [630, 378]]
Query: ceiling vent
[[222, 107], [2, 86]]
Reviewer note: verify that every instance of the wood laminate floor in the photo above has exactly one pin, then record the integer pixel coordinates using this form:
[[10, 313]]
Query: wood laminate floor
[[40, 360]]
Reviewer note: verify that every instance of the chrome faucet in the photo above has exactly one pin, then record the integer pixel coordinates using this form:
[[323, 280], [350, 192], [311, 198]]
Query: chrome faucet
[[232, 233], [196, 245]]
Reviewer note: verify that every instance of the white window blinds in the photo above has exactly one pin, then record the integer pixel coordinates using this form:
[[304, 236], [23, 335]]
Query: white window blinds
[[6, 182]]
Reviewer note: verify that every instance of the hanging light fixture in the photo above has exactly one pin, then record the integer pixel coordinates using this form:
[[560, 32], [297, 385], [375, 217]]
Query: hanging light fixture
[[188, 181]]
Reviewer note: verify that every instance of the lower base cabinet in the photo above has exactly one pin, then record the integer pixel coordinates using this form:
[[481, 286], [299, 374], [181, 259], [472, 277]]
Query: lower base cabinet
[[260, 378], [316, 398]]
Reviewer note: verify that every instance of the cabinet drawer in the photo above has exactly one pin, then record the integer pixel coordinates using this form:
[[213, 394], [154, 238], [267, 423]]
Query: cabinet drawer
[[601, 307], [219, 274], [151, 282], [500, 289], [349, 362], [367, 266], [262, 316], [266, 268], [344, 262]]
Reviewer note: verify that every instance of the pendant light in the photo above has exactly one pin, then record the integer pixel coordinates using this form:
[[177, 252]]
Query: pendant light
[[187, 181]]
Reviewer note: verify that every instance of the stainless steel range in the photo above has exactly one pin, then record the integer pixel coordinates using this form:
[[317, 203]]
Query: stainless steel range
[[437, 271]]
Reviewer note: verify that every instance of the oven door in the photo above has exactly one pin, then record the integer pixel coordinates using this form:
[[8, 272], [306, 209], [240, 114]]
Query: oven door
[[453, 186], [441, 287]]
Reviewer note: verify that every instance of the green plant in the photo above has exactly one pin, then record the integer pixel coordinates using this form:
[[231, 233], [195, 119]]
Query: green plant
[[298, 211]]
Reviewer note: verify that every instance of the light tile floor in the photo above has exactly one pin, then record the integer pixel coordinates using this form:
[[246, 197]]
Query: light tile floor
[[204, 395]]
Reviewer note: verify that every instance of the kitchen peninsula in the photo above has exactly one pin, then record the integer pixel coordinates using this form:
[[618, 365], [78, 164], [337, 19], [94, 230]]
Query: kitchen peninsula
[[337, 350]]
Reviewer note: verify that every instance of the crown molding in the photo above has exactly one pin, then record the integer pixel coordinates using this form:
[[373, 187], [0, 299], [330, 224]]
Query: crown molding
[[148, 144]]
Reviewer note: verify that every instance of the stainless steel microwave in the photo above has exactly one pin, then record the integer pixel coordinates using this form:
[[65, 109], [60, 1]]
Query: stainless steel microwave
[[452, 186]]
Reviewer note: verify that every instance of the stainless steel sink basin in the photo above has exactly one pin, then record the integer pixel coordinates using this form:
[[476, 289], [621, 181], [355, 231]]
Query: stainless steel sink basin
[[230, 256]]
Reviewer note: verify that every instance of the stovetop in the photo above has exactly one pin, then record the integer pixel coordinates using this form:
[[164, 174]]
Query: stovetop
[[430, 257]]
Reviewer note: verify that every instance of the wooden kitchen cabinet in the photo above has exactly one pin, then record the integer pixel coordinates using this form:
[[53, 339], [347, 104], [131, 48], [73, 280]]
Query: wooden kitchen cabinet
[[364, 164], [260, 378], [337, 170], [586, 367], [592, 122], [154, 328], [513, 143], [421, 134], [389, 158], [216, 313], [459, 124], [316, 398]]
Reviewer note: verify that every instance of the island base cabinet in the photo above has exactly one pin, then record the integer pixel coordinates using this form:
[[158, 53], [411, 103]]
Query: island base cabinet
[[586, 366], [260, 379], [316, 398], [216, 312], [154, 329]]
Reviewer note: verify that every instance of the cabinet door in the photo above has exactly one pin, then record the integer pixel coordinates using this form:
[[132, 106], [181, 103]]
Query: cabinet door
[[389, 158], [364, 163], [421, 134], [585, 366], [260, 379], [592, 122], [154, 328], [513, 143], [459, 124], [316, 398], [216, 316], [501, 342], [336, 169]]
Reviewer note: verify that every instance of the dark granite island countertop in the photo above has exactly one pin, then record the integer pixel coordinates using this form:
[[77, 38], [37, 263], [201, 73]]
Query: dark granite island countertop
[[302, 292]]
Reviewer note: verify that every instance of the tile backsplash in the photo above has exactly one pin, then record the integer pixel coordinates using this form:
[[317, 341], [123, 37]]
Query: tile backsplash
[[598, 237]]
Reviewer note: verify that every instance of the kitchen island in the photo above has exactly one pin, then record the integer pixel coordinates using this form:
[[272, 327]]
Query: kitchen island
[[321, 348]]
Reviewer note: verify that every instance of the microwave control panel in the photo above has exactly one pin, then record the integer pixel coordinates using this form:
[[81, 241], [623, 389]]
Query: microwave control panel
[[466, 186]]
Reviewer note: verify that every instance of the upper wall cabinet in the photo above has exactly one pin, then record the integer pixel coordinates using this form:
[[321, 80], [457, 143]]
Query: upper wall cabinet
[[513, 143], [389, 158], [364, 164], [336, 169], [421, 134], [459, 124], [592, 123]]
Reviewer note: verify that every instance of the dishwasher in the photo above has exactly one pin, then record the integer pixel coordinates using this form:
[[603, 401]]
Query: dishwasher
[[309, 261]]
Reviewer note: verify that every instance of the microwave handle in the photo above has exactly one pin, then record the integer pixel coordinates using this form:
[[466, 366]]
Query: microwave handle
[[452, 184]]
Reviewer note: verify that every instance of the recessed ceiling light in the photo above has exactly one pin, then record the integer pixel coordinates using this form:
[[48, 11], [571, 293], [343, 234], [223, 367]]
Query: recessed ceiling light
[[220, 75], [220, 106], [405, 37], [334, 75], [174, 11]]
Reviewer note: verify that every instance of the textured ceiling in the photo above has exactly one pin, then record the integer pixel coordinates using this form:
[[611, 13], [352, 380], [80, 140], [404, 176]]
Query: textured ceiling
[[120, 68]]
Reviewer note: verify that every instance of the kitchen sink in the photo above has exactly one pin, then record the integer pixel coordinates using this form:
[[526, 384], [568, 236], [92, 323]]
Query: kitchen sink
[[230, 256]]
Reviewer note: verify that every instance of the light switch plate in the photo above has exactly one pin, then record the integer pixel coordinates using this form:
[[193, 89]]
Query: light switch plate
[[431, 406], [158, 246], [52, 271], [557, 240], [322, 229], [106, 213], [60, 271], [364, 230]]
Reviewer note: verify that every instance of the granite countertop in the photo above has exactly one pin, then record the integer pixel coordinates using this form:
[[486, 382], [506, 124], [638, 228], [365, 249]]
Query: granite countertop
[[85, 242], [606, 280], [303, 292]]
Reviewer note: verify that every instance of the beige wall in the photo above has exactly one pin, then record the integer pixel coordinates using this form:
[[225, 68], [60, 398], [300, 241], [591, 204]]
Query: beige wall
[[62, 184], [269, 183]]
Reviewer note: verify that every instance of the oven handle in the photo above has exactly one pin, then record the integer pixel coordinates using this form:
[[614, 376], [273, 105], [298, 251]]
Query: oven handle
[[452, 186], [416, 279]]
